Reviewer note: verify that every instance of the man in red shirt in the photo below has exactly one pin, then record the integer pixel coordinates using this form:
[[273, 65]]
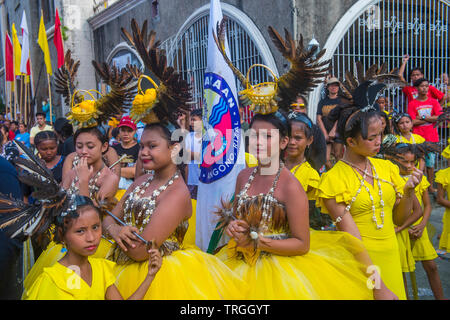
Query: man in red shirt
[[416, 74], [424, 112]]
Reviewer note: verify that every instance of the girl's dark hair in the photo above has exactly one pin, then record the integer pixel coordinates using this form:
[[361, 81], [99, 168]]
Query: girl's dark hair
[[418, 82], [403, 148], [93, 130], [315, 154], [279, 120], [387, 130], [167, 135], [396, 119], [45, 135], [353, 122], [64, 220], [115, 132]]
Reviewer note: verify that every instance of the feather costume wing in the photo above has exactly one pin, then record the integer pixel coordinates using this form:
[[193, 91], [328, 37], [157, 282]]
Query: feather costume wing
[[20, 220], [173, 93], [65, 79], [306, 71]]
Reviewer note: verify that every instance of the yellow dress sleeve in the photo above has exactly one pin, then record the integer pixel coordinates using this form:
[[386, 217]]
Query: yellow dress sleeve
[[419, 139], [442, 177], [309, 179], [335, 185], [250, 160], [44, 288], [106, 268]]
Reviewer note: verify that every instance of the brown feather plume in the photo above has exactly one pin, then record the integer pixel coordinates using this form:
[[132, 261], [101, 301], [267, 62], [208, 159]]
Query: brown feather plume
[[65, 79], [173, 93]]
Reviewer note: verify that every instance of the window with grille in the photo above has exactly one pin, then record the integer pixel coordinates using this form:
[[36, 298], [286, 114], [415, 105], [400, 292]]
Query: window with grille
[[391, 28], [188, 55]]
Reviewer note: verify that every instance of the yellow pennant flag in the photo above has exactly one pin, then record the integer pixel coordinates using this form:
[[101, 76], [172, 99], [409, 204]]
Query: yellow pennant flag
[[17, 51], [43, 43]]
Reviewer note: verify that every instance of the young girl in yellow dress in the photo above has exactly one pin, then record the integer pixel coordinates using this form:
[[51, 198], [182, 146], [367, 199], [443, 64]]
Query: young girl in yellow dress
[[79, 276], [416, 239], [272, 247], [305, 155], [403, 126], [304, 152], [89, 177], [367, 196]]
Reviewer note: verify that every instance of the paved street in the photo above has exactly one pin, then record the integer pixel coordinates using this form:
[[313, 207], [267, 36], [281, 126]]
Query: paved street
[[424, 290]]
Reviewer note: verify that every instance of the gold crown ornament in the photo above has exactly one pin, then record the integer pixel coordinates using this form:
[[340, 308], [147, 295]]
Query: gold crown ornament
[[85, 113]]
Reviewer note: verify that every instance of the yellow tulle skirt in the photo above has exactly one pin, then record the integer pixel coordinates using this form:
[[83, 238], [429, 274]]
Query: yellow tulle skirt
[[55, 252], [404, 249], [329, 271], [186, 274]]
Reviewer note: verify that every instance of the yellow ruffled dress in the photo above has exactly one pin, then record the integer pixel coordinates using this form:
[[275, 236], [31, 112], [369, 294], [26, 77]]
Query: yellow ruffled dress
[[186, 272], [405, 244], [341, 183], [329, 271], [61, 283], [52, 254], [415, 139], [422, 248], [308, 177], [443, 177]]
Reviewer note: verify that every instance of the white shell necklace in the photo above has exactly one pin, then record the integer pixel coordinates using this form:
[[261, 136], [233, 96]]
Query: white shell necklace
[[139, 209], [362, 184]]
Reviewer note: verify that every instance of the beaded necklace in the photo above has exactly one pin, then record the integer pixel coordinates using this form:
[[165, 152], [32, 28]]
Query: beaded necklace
[[93, 187], [299, 165], [362, 184], [268, 200], [139, 209]]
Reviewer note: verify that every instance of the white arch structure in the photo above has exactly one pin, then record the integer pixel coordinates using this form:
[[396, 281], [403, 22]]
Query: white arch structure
[[333, 41], [335, 37], [244, 21]]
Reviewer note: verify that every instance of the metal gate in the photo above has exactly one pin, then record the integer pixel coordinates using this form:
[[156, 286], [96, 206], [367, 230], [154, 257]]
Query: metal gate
[[391, 28], [187, 53]]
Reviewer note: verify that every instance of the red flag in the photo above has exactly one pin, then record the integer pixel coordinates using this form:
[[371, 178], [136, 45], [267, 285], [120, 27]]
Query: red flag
[[58, 41], [9, 61]]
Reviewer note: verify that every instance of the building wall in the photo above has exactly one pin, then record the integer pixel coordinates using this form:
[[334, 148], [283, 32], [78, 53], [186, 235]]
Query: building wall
[[89, 39]]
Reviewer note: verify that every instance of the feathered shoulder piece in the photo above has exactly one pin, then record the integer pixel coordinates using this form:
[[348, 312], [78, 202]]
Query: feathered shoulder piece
[[20, 220], [170, 94], [306, 72]]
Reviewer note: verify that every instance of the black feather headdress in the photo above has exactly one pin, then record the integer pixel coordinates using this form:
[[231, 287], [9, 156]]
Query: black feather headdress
[[171, 93], [90, 113], [305, 73]]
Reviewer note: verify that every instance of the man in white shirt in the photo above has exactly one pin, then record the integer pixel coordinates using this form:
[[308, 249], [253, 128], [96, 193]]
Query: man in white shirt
[[40, 126]]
